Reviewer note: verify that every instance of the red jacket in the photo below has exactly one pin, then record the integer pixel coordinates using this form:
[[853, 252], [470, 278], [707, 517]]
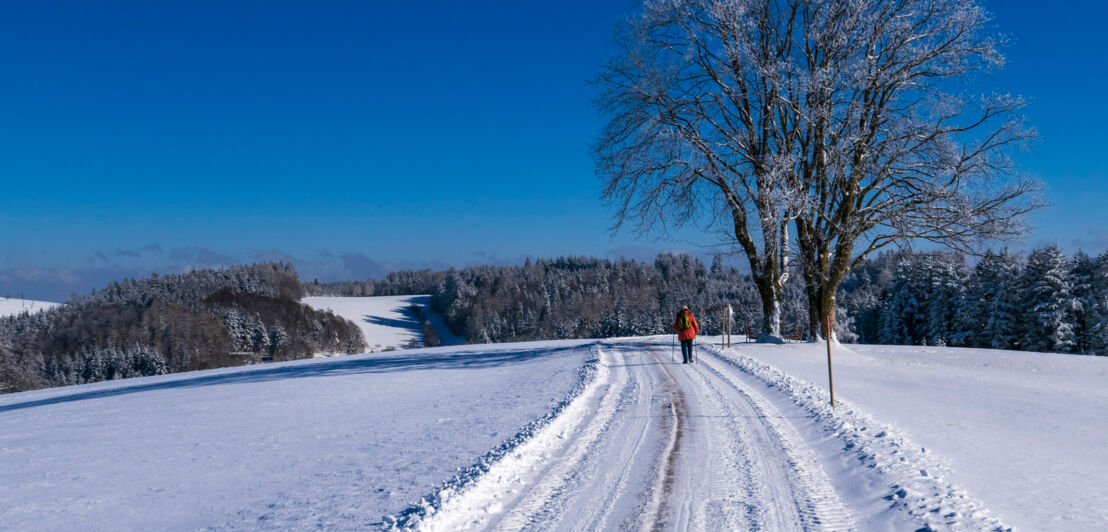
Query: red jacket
[[690, 333]]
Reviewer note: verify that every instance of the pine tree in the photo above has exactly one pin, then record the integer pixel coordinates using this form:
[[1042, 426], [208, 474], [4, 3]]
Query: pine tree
[[898, 314], [1048, 303], [1002, 309], [1097, 316], [1083, 277], [944, 276]]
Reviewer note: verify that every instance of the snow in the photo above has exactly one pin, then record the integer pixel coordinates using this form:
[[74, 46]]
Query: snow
[[323, 443], [653, 443], [1024, 433], [385, 320], [572, 435], [736, 443], [12, 307]]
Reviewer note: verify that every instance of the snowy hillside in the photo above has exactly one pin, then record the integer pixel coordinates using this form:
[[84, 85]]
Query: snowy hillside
[[573, 435], [325, 443], [12, 306], [385, 320]]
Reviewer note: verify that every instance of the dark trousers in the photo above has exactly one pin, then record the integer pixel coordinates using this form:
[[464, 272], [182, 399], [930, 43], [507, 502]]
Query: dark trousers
[[686, 351]]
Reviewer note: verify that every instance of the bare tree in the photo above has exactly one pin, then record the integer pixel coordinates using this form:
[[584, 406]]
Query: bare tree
[[891, 153], [840, 116], [698, 129]]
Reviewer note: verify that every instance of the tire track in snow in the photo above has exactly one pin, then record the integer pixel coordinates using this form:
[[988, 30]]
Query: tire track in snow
[[562, 478], [652, 445], [666, 479], [741, 466], [579, 479], [818, 506]]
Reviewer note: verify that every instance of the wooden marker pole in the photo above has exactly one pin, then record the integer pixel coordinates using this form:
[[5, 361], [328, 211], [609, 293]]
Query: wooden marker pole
[[730, 320], [830, 380]]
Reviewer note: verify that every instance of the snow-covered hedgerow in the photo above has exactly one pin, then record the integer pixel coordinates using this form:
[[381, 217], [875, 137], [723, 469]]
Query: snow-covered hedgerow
[[415, 514], [917, 482]]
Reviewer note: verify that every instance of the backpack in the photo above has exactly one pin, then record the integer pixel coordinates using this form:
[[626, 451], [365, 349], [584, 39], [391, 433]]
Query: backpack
[[683, 321]]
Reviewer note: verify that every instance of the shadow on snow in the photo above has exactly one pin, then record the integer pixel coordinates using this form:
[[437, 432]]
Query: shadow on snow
[[329, 368], [408, 322]]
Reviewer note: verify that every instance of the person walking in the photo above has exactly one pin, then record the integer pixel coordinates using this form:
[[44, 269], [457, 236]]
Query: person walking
[[686, 328]]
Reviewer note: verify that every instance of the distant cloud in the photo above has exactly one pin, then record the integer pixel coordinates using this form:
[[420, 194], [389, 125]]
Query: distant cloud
[[199, 257], [122, 253], [493, 259], [638, 253], [58, 284], [356, 266], [273, 255], [359, 266], [1094, 241], [37, 274], [103, 267]]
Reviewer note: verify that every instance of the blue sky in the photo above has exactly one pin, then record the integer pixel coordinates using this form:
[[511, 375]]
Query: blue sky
[[356, 137]]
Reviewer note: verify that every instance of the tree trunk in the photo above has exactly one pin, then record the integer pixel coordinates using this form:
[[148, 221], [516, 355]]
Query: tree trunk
[[815, 319], [771, 307], [814, 261], [826, 309], [824, 270], [822, 280]]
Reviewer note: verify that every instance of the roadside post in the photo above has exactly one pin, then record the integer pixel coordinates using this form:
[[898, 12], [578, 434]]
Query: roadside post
[[730, 321], [723, 328]]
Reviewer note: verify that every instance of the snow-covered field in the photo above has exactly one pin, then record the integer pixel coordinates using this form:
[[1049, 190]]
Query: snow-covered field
[[12, 306], [572, 435], [1025, 433], [385, 320], [331, 443]]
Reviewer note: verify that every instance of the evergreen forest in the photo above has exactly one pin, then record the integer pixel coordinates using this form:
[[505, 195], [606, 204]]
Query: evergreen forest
[[198, 320], [1046, 301]]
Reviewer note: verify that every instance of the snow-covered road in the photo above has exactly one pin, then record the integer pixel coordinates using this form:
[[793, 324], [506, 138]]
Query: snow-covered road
[[657, 444], [566, 435]]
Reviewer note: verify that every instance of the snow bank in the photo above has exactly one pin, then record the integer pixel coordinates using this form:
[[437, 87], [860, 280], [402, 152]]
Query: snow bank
[[11, 306]]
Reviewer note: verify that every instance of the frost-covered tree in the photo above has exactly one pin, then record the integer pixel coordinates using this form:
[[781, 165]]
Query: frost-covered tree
[[277, 340], [168, 324], [989, 313], [899, 321], [863, 292], [1090, 289], [1086, 301], [845, 118], [1098, 317], [921, 302], [693, 104], [945, 294], [1048, 305], [891, 150]]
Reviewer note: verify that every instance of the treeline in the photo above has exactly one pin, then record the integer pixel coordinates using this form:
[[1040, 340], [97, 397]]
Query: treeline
[[198, 320], [580, 297], [577, 297], [1044, 302], [401, 283]]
